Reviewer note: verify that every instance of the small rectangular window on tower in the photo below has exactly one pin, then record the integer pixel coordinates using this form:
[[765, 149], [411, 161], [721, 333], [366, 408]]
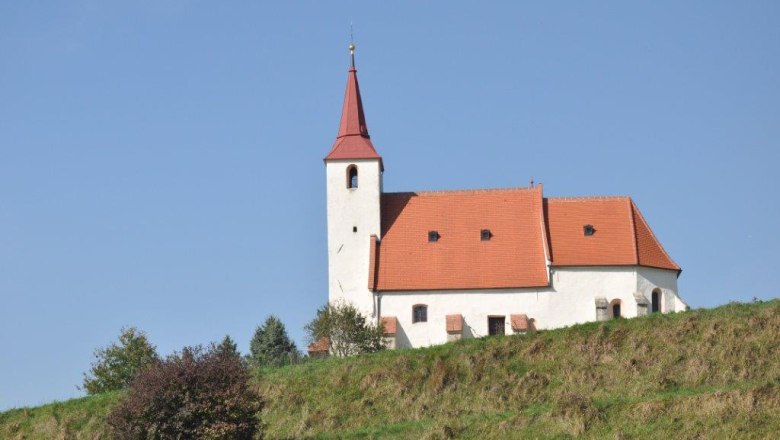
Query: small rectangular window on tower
[[588, 230], [354, 229], [433, 236], [485, 234]]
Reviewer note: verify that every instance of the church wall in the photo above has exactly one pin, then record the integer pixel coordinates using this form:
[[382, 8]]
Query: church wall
[[348, 251], [570, 300], [649, 278]]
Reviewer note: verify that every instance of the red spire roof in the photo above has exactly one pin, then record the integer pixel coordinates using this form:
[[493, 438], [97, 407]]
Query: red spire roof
[[353, 141]]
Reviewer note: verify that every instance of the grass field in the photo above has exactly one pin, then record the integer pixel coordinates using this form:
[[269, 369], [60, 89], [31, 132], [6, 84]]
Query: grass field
[[701, 374]]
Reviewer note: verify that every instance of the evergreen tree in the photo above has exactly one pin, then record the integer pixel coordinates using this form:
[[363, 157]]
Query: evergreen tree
[[228, 347], [271, 345]]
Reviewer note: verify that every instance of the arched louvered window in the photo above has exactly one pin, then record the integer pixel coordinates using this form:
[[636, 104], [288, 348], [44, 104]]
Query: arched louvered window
[[352, 177]]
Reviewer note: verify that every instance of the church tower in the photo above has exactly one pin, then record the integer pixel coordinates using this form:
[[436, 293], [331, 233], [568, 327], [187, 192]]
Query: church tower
[[354, 186]]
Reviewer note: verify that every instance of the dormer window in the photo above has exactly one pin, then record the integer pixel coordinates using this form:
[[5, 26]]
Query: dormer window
[[485, 235], [352, 177], [588, 230], [433, 236]]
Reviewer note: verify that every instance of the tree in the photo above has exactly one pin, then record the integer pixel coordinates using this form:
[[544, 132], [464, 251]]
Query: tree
[[348, 331], [270, 344], [228, 347], [116, 365], [198, 394]]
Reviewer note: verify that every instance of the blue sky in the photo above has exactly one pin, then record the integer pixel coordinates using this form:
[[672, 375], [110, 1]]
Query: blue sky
[[161, 162]]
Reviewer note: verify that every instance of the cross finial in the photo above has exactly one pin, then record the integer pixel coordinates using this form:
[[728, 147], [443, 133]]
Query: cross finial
[[351, 45]]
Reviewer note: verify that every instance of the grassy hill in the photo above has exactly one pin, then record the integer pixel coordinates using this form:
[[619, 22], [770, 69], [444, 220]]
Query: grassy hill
[[700, 374]]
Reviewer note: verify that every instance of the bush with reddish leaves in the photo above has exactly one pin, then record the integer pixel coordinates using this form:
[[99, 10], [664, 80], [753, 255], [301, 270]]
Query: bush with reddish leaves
[[198, 394]]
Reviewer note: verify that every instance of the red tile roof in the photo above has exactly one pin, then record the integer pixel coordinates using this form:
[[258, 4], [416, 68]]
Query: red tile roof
[[621, 237], [513, 257], [649, 250], [390, 324], [373, 254], [319, 346], [526, 230], [454, 323], [353, 141]]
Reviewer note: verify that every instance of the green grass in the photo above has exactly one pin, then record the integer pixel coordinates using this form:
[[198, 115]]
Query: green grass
[[700, 374], [73, 419]]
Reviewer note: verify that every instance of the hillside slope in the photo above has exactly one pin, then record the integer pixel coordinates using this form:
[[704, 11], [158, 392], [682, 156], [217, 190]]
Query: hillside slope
[[705, 373]]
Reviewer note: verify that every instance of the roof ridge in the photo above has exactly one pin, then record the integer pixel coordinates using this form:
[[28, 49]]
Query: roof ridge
[[581, 198], [465, 191], [631, 216]]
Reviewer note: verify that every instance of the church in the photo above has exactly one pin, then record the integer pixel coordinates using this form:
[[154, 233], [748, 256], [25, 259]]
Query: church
[[438, 266]]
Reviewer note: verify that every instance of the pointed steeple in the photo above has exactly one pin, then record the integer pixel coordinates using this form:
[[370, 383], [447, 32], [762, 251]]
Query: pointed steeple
[[353, 141]]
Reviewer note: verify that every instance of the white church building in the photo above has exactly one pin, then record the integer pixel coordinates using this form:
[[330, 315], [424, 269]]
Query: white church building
[[437, 266]]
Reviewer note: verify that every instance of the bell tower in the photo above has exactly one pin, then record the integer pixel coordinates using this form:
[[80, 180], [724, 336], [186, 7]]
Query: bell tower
[[354, 188]]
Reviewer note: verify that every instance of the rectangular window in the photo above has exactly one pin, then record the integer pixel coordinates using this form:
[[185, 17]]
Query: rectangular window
[[419, 313], [496, 325]]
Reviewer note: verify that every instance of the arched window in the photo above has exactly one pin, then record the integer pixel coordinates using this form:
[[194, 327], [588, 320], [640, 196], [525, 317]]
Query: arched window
[[656, 298], [419, 313], [352, 177], [615, 308]]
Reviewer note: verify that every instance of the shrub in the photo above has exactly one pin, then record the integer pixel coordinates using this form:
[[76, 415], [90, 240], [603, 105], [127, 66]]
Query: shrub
[[203, 394], [116, 365], [346, 329], [270, 344]]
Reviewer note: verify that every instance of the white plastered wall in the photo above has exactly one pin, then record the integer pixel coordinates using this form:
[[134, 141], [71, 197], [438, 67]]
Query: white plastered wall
[[348, 251], [649, 278], [570, 300]]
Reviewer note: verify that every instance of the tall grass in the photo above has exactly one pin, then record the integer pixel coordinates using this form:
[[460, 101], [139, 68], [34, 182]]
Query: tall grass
[[700, 374], [697, 374], [78, 419]]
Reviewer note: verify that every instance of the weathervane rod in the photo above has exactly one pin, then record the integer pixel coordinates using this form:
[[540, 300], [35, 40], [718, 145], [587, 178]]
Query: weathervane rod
[[351, 45]]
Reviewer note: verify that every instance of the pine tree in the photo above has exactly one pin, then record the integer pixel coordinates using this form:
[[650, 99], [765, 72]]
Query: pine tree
[[271, 345], [228, 347]]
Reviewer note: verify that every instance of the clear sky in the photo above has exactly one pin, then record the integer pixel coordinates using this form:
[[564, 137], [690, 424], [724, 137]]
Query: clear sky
[[161, 161]]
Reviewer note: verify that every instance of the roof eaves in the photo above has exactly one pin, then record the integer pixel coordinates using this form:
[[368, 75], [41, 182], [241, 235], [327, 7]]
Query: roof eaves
[[630, 206], [461, 289]]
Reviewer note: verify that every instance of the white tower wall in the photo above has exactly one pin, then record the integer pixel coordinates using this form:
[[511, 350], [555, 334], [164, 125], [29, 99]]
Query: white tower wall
[[348, 250]]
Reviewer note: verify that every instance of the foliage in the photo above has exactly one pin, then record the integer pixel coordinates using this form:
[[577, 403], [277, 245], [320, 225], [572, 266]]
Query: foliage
[[271, 345], [228, 347], [75, 419], [698, 374], [348, 331], [116, 365], [701, 374], [202, 394]]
